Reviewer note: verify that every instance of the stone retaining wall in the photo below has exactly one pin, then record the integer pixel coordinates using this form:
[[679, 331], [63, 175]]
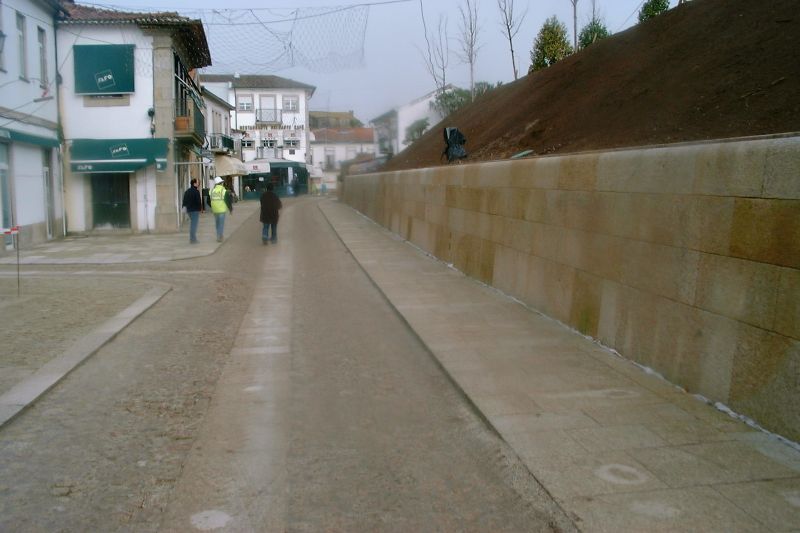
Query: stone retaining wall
[[684, 258]]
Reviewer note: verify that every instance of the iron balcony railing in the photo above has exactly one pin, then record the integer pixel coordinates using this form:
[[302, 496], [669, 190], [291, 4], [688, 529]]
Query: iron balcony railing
[[220, 141]]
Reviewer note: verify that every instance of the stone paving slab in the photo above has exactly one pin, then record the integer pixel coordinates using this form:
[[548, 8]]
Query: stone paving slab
[[129, 248], [620, 449]]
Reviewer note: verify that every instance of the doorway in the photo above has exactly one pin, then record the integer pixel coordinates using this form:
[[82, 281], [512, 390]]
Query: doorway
[[111, 201]]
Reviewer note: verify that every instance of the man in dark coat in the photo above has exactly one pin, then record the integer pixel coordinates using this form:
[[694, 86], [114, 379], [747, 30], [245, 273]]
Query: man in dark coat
[[192, 203], [270, 211]]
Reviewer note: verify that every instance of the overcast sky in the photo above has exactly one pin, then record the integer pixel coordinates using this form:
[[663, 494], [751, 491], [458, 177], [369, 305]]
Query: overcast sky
[[394, 72]]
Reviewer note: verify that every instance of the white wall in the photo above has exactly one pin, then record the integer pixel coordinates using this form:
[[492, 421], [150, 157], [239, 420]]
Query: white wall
[[18, 94], [29, 106], [26, 171], [107, 122], [410, 113], [342, 152], [145, 183]]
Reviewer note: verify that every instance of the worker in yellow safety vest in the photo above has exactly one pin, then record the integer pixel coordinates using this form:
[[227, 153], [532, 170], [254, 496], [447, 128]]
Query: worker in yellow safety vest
[[220, 205]]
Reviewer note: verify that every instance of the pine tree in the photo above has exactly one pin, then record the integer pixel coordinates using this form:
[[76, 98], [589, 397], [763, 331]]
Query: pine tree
[[551, 45]]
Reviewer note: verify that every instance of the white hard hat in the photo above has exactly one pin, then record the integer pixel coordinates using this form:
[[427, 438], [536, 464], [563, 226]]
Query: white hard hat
[[217, 180]]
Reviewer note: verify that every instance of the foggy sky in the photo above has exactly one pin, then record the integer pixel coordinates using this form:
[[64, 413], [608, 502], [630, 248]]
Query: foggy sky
[[394, 72]]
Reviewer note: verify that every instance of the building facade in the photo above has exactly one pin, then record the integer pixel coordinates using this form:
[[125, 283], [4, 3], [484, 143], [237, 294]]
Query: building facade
[[132, 117], [391, 127], [330, 147], [30, 156], [270, 113]]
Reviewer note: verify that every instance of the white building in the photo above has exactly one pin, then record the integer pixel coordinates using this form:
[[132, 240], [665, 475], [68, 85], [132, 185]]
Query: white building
[[391, 127], [270, 111], [332, 146], [132, 116], [222, 153], [30, 168]]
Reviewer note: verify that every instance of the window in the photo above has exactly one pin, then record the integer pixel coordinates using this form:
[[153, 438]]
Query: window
[[247, 143], [268, 143], [291, 103], [23, 50], [244, 102], [291, 143], [42, 57]]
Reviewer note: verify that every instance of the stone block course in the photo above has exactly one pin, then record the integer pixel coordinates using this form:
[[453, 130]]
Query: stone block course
[[767, 231], [684, 258]]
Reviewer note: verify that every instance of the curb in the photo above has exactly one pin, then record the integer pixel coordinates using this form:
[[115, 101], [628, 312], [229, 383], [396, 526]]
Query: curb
[[23, 394]]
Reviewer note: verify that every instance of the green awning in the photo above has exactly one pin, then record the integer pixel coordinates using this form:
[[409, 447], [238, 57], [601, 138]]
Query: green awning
[[104, 68], [117, 155], [28, 138]]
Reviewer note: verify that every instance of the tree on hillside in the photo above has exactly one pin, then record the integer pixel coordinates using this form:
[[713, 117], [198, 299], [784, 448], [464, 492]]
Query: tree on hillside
[[451, 100], [416, 130], [511, 23], [551, 45], [592, 32], [484, 87], [469, 38], [652, 8]]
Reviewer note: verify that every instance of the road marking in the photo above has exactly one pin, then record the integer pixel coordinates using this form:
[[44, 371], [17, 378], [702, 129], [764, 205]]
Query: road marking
[[208, 520], [620, 474], [655, 510]]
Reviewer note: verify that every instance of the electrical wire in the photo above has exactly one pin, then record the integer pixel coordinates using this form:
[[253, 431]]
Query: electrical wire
[[632, 14]]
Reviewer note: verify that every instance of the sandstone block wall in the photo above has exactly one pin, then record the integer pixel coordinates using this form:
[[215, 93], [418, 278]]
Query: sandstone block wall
[[685, 258]]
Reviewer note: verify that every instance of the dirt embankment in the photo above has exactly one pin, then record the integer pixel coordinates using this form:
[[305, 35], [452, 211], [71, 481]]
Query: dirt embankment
[[709, 69]]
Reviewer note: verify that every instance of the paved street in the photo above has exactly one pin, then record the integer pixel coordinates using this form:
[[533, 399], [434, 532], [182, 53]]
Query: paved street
[[273, 390], [340, 380]]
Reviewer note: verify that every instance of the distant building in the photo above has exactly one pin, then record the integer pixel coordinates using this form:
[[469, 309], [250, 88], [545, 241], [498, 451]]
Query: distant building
[[332, 146], [391, 126], [332, 119], [132, 116], [31, 180], [270, 112]]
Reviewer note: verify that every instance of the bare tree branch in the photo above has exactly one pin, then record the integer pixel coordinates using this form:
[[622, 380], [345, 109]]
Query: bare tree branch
[[511, 26], [469, 39], [437, 54]]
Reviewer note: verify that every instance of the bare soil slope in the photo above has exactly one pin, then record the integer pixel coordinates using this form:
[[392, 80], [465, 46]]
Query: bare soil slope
[[708, 69]]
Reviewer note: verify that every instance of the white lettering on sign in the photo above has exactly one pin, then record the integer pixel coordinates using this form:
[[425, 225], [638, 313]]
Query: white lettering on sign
[[104, 79], [83, 167], [119, 150]]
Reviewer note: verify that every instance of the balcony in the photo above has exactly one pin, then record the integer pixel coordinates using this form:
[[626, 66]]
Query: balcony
[[221, 142], [190, 124], [268, 116]]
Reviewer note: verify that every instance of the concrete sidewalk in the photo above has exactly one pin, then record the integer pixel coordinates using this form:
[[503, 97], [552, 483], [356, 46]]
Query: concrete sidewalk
[[139, 248], [618, 448]]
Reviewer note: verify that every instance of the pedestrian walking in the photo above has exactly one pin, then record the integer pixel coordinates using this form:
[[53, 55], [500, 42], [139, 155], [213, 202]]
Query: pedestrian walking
[[220, 206], [206, 199], [192, 203], [270, 211]]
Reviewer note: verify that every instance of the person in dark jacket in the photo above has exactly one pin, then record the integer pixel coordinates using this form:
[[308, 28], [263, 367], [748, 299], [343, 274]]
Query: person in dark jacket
[[192, 203], [270, 211]]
